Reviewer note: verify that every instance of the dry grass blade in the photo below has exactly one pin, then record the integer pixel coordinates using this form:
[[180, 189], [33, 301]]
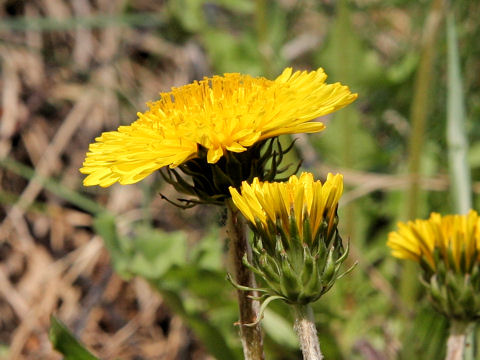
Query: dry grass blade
[[10, 103]]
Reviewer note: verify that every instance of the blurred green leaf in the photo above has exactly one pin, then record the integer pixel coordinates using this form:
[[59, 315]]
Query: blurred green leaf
[[208, 253], [345, 56], [4, 349], [271, 32], [231, 53], [189, 13], [120, 250], [426, 334], [157, 252], [64, 342], [240, 6], [197, 16], [404, 69], [474, 155], [149, 254], [279, 329]]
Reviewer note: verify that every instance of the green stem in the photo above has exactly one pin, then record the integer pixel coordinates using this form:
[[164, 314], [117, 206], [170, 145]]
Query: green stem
[[459, 340], [251, 336], [307, 332], [456, 132]]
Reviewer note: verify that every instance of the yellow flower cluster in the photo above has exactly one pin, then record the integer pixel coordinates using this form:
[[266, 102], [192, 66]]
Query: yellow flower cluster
[[222, 113], [456, 237], [303, 198]]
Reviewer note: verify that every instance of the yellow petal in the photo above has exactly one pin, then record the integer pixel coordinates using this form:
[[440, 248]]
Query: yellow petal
[[221, 113]]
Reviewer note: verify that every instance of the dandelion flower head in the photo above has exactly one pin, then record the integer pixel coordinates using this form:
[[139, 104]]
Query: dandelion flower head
[[219, 114], [451, 239]]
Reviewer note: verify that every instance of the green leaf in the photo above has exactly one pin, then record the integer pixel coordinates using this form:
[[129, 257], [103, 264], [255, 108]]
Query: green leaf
[[474, 156], [427, 334], [401, 71], [119, 249], [189, 13], [232, 53], [157, 252], [279, 329], [64, 342], [150, 254], [240, 6], [208, 253], [4, 349]]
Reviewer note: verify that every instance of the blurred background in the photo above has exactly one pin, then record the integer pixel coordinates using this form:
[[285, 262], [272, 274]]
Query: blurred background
[[135, 277]]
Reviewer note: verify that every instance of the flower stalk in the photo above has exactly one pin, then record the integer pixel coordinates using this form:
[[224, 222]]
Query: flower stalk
[[307, 332], [251, 336], [459, 341]]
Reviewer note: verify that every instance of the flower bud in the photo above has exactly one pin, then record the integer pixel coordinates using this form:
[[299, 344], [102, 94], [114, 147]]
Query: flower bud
[[297, 249]]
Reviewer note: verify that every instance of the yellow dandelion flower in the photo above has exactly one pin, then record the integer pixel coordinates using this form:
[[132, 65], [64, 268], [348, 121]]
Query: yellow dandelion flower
[[301, 197], [223, 113], [456, 238]]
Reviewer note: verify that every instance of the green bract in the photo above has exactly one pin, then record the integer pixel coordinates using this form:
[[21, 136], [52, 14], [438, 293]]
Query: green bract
[[454, 294], [296, 248], [297, 272]]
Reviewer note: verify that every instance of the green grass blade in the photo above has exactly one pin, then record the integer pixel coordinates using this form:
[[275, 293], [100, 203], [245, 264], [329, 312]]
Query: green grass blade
[[53, 186], [456, 134], [64, 342]]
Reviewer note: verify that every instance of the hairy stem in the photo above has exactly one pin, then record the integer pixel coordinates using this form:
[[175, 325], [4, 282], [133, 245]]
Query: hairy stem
[[307, 333], [458, 340], [251, 336]]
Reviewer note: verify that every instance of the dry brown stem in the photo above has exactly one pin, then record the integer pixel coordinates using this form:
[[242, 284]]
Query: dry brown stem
[[251, 336]]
